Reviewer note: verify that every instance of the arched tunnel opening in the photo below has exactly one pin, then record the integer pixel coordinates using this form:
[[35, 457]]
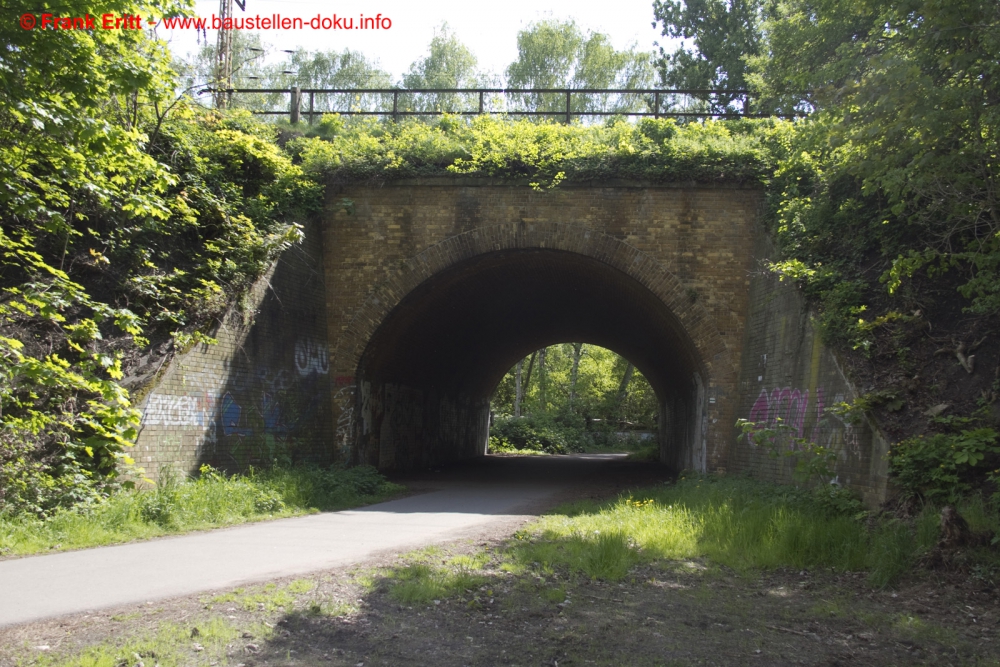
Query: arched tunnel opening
[[427, 375]]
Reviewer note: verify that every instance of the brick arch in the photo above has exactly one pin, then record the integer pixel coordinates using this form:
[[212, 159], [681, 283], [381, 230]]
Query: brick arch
[[694, 319]]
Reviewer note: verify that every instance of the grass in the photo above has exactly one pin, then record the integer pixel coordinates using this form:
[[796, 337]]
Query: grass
[[745, 525], [209, 501], [699, 523], [420, 581], [268, 597], [694, 527], [510, 449], [172, 645]]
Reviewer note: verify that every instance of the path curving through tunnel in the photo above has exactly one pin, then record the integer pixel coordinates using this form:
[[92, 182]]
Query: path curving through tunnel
[[427, 374]]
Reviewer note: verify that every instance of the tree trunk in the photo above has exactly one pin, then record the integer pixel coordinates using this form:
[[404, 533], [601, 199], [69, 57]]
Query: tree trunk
[[574, 372], [623, 387], [542, 380], [527, 377], [517, 389]]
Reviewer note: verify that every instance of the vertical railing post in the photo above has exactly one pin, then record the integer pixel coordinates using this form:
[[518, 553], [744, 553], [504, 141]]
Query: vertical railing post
[[568, 108], [312, 99], [294, 107], [656, 105], [481, 106], [395, 106]]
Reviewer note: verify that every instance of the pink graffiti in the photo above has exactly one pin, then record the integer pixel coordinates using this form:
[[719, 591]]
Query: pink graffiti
[[786, 406]]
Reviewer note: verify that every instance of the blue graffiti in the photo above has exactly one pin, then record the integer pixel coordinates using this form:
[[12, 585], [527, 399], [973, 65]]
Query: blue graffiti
[[271, 412], [232, 413]]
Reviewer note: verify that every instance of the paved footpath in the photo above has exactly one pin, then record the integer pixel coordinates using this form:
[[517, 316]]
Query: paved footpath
[[467, 497], [40, 587]]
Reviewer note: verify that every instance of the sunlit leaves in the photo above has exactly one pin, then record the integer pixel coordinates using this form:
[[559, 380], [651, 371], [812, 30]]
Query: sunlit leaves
[[542, 154]]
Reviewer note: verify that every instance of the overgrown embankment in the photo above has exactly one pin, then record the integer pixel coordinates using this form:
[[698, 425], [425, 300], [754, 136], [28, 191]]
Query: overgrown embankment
[[98, 296]]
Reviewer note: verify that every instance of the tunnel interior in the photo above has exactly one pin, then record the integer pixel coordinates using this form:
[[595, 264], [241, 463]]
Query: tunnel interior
[[427, 374]]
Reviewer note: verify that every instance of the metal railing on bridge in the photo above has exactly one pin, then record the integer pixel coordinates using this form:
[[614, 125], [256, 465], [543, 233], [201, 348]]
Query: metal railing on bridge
[[561, 103]]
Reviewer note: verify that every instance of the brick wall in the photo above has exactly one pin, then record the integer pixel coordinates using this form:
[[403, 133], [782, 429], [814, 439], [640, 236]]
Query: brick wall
[[689, 247], [262, 393]]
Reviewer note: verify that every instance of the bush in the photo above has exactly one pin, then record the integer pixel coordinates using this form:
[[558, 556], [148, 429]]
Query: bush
[[539, 433], [942, 466]]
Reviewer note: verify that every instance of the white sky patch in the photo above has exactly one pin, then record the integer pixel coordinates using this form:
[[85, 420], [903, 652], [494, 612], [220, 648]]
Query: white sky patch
[[488, 29]]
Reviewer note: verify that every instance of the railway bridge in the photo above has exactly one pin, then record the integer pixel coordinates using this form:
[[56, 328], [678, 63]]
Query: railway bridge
[[382, 337]]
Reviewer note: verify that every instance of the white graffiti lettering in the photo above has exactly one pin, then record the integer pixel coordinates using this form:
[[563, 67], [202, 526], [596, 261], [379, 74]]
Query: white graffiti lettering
[[174, 411], [311, 357], [344, 400]]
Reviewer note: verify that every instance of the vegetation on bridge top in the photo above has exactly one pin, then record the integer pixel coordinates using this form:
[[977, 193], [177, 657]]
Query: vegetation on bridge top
[[542, 154]]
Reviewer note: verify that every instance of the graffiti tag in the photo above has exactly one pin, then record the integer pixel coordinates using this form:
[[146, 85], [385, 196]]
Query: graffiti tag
[[311, 357], [344, 400], [167, 410], [785, 405]]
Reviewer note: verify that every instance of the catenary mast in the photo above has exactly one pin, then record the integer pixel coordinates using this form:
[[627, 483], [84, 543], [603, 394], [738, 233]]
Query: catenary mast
[[224, 53]]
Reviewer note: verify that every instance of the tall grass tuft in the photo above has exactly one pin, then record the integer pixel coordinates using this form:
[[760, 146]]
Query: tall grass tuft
[[210, 500]]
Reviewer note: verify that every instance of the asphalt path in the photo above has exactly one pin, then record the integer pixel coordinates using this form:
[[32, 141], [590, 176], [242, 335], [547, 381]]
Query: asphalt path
[[449, 504]]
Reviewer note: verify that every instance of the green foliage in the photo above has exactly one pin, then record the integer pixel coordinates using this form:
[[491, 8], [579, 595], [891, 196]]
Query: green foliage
[[813, 462], [128, 217], [740, 523], [594, 396], [722, 36], [582, 398], [449, 64], [901, 149], [543, 154], [538, 433], [211, 500], [941, 466], [69, 149], [554, 54]]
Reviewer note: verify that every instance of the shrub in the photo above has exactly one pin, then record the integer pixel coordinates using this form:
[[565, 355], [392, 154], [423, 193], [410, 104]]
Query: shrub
[[940, 467], [535, 433]]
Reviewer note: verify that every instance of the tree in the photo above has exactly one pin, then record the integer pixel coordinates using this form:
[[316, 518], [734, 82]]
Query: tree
[[332, 69], [547, 54], [553, 54], [622, 395], [127, 222], [303, 68], [903, 146], [518, 390], [71, 146], [448, 64], [577, 379], [723, 35], [574, 374]]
